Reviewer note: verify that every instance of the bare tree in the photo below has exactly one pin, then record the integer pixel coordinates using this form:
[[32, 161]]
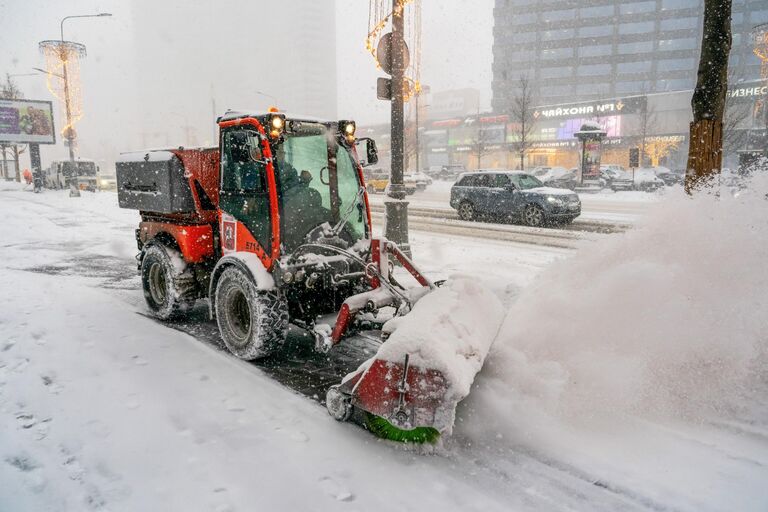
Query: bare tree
[[10, 91], [521, 117], [705, 153], [647, 122]]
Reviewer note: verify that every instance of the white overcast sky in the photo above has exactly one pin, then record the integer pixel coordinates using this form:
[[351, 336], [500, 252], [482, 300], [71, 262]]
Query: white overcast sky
[[457, 40]]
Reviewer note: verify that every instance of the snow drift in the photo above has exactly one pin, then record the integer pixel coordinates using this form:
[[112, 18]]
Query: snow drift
[[449, 330], [668, 320]]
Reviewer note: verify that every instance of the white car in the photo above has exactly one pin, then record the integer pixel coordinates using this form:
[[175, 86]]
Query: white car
[[647, 180], [421, 180]]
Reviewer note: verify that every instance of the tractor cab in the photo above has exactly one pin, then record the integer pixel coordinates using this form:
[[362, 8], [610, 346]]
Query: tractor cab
[[289, 181]]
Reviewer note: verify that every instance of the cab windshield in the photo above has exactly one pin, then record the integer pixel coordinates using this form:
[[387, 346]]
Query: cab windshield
[[318, 183]]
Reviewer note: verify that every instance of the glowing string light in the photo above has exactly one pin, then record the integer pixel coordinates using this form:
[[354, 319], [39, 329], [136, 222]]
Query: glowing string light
[[59, 54]]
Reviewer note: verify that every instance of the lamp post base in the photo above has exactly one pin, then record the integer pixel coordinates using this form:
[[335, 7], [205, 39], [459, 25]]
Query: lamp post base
[[396, 224]]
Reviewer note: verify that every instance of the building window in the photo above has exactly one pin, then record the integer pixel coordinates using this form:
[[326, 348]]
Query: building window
[[689, 43], [556, 90], [567, 14], [642, 66], [636, 28], [524, 19], [680, 23], [554, 35], [595, 50], [667, 5], [757, 17], [637, 7], [674, 85], [594, 70], [597, 31], [557, 53], [639, 47], [522, 55], [556, 72], [523, 37], [630, 87], [596, 12], [675, 64]]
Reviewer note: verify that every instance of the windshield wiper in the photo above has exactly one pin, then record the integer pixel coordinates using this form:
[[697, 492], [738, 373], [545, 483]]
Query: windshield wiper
[[343, 222]]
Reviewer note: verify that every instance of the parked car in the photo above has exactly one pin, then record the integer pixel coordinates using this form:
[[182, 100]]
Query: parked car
[[512, 195], [446, 172], [421, 180], [618, 180], [646, 179], [569, 179], [545, 174], [82, 173], [671, 177], [376, 179]]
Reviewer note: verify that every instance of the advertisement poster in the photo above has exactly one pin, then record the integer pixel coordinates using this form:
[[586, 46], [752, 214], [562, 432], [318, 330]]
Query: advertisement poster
[[27, 121], [590, 169]]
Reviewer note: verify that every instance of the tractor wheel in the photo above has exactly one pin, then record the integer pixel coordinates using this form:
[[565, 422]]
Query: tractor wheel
[[533, 215], [253, 323], [167, 290], [466, 211], [382, 428]]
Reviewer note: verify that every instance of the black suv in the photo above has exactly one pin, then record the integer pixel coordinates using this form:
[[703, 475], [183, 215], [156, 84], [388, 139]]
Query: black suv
[[513, 195]]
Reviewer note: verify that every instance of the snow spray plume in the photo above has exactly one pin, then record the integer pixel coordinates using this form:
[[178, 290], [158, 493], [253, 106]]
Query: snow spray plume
[[669, 319]]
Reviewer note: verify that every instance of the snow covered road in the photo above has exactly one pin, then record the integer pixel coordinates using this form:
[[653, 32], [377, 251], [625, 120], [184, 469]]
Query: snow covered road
[[102, 408]]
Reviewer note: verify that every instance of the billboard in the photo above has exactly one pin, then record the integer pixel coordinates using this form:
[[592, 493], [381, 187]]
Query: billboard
[[27, 121]]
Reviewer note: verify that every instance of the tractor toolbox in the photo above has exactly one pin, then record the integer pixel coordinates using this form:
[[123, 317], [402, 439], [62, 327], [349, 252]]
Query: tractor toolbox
[[153, 181]]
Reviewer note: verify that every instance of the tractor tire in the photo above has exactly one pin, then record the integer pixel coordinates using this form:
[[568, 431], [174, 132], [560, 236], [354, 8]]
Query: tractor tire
[[168, 291], [253, 323], [466, 211], [533, 215]]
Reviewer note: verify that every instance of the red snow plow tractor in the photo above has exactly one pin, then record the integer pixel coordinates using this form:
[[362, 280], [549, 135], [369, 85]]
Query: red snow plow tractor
[[273, 227]]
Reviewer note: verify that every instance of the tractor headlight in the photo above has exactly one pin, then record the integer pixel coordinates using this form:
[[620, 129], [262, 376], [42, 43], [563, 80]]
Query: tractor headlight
[[347, 129], [276, 125]]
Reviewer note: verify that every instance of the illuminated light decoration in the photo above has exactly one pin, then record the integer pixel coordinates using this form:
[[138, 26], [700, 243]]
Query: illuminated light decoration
[[379, 15], [62, 58], [272, 110], [759, 37]]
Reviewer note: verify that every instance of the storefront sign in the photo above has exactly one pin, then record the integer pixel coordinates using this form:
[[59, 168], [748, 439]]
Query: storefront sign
[[748, 92], [592, 109]]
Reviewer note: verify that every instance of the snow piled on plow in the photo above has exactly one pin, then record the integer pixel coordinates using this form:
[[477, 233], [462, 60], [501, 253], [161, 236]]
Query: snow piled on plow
[[449, 330], [665, 324]]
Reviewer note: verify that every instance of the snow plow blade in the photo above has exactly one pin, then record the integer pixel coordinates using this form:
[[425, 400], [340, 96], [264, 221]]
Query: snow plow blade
[[400, 402], [410, 389]]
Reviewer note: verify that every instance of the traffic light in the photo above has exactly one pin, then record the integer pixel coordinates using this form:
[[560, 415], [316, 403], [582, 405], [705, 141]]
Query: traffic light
[[634, 157]]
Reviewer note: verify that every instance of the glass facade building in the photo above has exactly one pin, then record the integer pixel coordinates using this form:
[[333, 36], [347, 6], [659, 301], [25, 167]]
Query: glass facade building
[[580, 50]]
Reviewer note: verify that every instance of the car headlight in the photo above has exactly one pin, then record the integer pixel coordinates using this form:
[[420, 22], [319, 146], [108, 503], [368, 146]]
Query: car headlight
[[555, 200]]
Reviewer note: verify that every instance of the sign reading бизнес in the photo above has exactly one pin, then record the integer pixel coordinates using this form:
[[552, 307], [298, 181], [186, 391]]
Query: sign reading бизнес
[[27, 121]]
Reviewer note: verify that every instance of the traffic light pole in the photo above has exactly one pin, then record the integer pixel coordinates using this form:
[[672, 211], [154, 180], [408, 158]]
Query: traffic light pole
[[396, 227]]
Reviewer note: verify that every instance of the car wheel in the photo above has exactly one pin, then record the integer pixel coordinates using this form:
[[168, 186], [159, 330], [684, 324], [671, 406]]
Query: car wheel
[[534, 215], [466, 211]]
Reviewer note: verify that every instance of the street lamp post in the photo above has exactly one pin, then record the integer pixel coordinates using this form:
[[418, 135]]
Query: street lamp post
[[70, 135], [62, 51], [396, 208]]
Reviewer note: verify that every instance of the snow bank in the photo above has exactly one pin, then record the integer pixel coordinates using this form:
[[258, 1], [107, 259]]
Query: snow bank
[[669, 320], [449, 330]]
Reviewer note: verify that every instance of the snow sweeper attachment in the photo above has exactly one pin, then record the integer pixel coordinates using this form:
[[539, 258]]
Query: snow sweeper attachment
[[408, 391]]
